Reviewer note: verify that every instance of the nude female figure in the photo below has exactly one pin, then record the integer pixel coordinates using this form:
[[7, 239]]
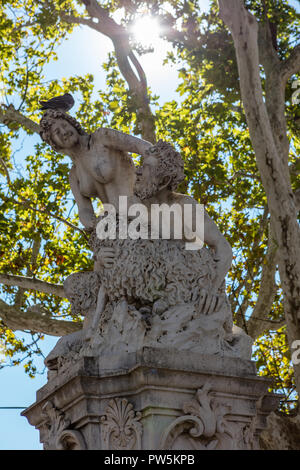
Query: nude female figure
[[101, 168], [101, 165]]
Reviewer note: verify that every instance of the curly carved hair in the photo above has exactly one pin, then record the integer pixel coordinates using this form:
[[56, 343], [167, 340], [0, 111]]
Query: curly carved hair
[[170, 163], [49, 118]]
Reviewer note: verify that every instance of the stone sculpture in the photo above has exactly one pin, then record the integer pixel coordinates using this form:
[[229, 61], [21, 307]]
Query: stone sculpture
[[158, 363], [56, 431], [101, 166], [203, 422], [142, 292], [120, 426]]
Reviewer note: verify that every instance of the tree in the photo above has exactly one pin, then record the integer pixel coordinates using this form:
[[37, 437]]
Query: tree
[[234, 123]]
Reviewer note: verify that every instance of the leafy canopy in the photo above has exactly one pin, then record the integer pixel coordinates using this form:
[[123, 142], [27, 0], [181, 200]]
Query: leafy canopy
[[206, 122]]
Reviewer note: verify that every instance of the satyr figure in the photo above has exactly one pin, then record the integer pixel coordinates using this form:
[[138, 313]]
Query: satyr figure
[[159, 292], [156, 181]]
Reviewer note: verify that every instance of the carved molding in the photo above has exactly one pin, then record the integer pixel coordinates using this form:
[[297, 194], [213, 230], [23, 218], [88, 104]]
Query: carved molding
[[120, 426], [56, 435], [203, 427], [248, 434]]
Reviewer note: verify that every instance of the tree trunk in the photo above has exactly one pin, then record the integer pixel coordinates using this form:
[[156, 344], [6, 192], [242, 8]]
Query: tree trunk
[[282, 433], [271, 163]]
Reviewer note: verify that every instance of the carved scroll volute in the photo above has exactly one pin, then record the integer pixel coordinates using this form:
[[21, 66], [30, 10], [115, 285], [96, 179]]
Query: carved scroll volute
[[120, 426], [202, 427], [70, 439], [55, 434]]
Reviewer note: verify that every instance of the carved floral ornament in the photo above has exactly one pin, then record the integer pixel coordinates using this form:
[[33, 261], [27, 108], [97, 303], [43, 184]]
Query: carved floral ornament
[[120, 426], [56, 435], [203, 426]]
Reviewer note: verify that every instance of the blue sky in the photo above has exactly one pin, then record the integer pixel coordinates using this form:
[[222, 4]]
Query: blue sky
[[83, 53]]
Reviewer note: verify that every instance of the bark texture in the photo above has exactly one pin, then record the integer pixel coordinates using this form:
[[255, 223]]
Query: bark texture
[[35, 319], [282, 433]]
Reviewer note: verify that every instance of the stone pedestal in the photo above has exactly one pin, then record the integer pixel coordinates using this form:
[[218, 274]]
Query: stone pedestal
[[153, 399]]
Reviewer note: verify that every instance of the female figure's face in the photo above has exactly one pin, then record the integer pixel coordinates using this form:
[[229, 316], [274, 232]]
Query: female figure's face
[[63, 134]]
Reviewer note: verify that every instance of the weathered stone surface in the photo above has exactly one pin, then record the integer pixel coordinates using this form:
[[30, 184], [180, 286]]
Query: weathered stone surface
[[165, 399], [120, 426], [55, 432], [126, 317]]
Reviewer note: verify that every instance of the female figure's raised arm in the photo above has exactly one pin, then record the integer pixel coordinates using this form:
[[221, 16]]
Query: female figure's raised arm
[[120, 141]]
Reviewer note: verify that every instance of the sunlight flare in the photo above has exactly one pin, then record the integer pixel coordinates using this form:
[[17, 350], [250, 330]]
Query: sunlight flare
[[146, 30]]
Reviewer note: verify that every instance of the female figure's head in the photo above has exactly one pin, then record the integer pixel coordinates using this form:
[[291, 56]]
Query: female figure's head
[[60, 130]]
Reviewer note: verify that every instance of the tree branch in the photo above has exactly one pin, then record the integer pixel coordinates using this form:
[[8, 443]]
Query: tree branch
[[234, 296], [5, 171], [27, 204], [9, 115], [274, 90], [291, 65], [19, 299], [37, 320], [125, 57], [32, 283], [258, 321]]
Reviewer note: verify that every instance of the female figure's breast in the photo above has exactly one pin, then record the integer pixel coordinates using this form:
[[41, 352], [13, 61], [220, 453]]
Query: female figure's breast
[[86, 182], [101, 164], [95, 169]]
